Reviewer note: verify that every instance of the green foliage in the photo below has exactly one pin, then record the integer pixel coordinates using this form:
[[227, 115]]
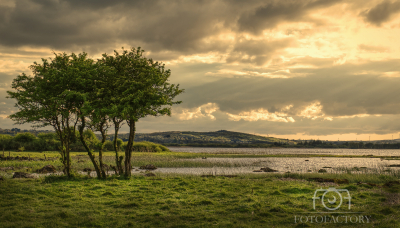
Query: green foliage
[[25, 137], [47, 136], [109, 145], [148, 147], [5, 141], [72, 92], [139, 86], [90, 138], [136, 87], [21, 149], [53, 96]]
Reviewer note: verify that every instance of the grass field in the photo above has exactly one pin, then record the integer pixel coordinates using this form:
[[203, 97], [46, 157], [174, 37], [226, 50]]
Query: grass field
[[172, 200], [269, 200]]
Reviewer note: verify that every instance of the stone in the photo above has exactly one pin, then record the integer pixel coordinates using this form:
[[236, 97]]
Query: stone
[[47, 169], [322, 171], [22, 175], [149, 166], [268, 170]]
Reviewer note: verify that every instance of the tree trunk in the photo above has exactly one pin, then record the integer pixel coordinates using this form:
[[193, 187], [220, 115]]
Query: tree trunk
[[63, 157], [90, 153], [68, 168], [103, 140], [128, 149], [67, 142], [118, 160], [63, 140]]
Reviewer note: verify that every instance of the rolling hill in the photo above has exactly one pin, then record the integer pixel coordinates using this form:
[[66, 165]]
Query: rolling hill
[[192, 138]]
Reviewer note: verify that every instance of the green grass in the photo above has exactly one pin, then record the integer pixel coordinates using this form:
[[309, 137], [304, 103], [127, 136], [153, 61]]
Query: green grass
[[171, 200], [268, 200]]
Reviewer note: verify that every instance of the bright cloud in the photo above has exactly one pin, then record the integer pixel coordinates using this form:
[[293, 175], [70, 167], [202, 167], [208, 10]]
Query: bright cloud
[[205, 110], [261, 114], [314, 111]]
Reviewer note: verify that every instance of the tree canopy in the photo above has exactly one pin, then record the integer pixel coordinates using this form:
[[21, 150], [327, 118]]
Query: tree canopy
[[139, 88], [72, 92]]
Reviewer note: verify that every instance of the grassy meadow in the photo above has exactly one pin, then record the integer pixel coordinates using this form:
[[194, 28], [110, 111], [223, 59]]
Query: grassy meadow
[[173, 200]]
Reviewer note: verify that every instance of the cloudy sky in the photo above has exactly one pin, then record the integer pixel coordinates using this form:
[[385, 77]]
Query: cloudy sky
[[326, 69]]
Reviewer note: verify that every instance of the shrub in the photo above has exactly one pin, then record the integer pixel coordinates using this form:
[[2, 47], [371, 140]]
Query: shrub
[[48, 136], [109, 145], [149, 147], [24, 137]]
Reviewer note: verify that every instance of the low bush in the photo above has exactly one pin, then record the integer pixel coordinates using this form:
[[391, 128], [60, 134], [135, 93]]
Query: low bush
[[148, 147]]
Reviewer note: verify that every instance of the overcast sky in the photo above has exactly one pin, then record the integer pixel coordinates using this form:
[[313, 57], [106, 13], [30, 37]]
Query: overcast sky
[[324, 69]]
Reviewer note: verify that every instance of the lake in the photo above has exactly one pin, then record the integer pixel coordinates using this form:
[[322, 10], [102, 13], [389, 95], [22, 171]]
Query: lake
[[315, 151]]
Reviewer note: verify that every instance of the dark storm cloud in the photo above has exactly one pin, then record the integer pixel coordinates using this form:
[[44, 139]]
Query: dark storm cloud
[[185, 27], [255, 51], [341, 90], [172, 25], [272, 13], [382, 12]]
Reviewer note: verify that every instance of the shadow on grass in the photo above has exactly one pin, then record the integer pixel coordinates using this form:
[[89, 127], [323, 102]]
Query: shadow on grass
[[78, 177]]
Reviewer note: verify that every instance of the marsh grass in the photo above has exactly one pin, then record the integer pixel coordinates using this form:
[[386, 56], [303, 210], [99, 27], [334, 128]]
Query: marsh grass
[[171, 200], [81, 161]]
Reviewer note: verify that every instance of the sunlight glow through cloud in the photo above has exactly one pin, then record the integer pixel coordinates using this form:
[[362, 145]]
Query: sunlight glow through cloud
[[205, 110], [261, 114], [333, 64]]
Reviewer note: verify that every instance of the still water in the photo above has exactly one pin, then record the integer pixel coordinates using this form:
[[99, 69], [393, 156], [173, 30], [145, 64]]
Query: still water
[[365, 152]]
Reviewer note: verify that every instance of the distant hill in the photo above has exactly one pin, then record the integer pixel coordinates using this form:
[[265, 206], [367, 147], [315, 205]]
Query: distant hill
[[202, 138], [215, 138]]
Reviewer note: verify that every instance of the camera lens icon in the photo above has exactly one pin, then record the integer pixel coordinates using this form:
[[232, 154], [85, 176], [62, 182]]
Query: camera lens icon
[[331, 198]]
